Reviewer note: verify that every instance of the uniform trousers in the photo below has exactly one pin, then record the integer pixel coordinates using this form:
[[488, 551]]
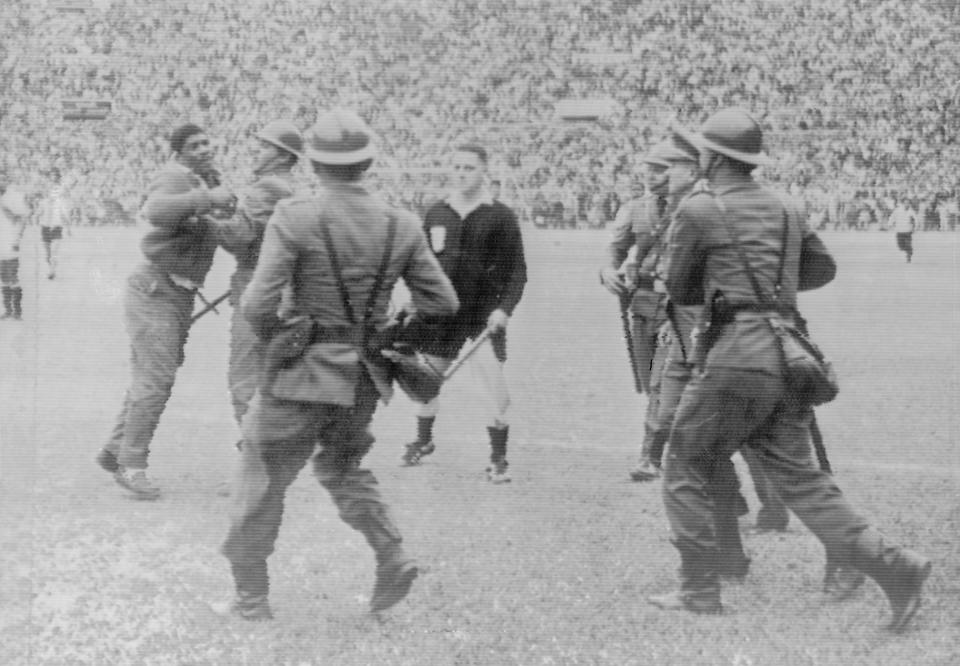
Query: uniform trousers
[[773, 514], [279, 437], [157, 314], [719, 412], [246, 349], [656, 430], [648, 315]]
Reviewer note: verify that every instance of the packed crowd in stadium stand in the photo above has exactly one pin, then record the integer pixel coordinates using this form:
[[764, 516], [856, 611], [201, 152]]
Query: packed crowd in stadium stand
[[858, 98]]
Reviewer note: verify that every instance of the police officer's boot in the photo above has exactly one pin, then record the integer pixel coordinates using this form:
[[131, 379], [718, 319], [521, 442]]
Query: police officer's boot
[[899, 572], [423, 445], [16, 300], [358, 500], [395, 570], [699, 582], [651, 454], [497, 470]]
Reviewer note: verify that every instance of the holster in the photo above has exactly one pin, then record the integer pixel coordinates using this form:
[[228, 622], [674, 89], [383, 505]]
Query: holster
[[712, 320]]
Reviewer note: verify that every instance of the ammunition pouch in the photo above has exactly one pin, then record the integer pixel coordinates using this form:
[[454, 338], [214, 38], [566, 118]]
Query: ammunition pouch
[[809, 376]]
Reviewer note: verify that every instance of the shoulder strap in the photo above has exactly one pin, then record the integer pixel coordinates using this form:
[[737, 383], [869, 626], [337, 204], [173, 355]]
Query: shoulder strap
[[338, 274], [378, 280], [761, 296], [382, 270]]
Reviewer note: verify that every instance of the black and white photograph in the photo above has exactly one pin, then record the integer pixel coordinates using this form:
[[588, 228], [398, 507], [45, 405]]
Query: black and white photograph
[[480, 332]]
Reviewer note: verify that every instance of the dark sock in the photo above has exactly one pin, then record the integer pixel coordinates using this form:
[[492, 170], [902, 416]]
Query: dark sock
[[498, 443], [425, 428]]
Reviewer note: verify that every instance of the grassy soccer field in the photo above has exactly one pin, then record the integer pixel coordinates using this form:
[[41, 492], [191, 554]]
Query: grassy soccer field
[[553, 568]]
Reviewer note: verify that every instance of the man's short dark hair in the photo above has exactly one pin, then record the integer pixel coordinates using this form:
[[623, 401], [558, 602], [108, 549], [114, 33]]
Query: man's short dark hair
[[181, 134], [474, 148]]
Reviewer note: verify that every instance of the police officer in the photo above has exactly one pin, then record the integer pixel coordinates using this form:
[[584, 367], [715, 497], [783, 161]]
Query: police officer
[[638, 232], [738, 395], [330, 249], [733, 563], [280, 146], [158, 302]]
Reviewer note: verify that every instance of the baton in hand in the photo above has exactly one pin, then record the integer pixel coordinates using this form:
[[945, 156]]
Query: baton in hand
[[210, 305], [628, 339], [817, 438], [467, 353]]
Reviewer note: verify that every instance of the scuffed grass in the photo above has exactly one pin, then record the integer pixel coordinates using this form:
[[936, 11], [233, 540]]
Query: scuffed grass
[[553, 568]]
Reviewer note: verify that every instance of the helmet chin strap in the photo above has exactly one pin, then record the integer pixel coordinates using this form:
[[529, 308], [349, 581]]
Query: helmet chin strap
[[712, 164], [268, 165]]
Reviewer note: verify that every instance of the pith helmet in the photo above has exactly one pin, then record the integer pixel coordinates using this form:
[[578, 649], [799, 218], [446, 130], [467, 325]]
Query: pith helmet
[[667, 153], [732, 132], [683, 144], [284, 135], [340, 137]]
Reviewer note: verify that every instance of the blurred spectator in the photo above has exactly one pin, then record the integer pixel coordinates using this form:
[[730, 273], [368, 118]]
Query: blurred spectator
[[852, 95]]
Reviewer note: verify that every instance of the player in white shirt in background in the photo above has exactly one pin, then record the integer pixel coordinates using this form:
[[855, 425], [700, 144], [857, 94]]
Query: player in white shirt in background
[[904, 223], [54, 214], [13, 216]]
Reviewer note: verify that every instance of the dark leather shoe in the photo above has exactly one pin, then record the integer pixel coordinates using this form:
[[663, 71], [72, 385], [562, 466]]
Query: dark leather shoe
[[107, 461], [394, 579], [250, 607], [137, 482], [695, 603], [416, 451], [905, 591], [646, 470]]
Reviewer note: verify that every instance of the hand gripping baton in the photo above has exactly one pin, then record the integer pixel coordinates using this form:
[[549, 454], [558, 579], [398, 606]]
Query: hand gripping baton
[[466, 353]]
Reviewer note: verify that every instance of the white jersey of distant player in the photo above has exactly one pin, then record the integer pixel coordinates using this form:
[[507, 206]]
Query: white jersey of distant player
[[903, 219], [56, 209], [13, 210]]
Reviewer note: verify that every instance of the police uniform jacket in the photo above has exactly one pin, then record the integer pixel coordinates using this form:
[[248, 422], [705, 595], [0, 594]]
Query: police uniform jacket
[[294, 252], [640, 222], [704, 266], [242, 235]]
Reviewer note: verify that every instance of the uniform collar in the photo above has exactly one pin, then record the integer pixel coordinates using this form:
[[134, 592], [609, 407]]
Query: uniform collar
[[463, 208]]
